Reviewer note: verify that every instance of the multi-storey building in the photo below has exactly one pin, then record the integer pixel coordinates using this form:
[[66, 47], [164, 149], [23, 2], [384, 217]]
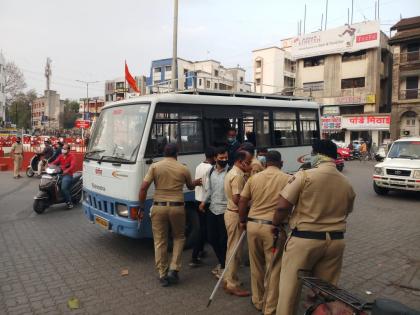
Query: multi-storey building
[[405, 78], [2, 88], [47, 111], [118, 89], [347, 70], [274, 71], [91, 111], [203, 75]]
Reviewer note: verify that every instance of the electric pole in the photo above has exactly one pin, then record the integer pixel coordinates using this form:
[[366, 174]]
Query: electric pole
[[87, 98], [174, 77]]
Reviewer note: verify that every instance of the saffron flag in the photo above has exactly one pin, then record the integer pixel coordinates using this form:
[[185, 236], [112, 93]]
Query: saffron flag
[[130, 80]]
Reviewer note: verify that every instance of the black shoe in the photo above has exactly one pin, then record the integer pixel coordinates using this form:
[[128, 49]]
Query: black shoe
[[202, 254], [69, 205], [195, 262], [173, 277], [164, 281]]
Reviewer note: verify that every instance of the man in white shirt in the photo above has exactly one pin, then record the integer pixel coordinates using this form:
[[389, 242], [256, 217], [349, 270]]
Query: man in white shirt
[[202, 172]]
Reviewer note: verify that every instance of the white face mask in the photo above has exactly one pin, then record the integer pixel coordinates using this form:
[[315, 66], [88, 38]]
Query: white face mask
[[64, 151]]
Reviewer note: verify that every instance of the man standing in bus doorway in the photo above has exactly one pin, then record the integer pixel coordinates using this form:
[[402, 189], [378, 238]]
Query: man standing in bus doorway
[[17, 153], [234, 183], [169, 177], [202, 171], [318, 223], [232, 144], [262, 191]]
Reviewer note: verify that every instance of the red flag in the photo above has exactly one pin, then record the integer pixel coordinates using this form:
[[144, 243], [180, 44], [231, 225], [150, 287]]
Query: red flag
[[129, 78]]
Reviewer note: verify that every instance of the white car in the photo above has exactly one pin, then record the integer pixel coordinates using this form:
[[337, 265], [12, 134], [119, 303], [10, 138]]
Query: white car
[[401, 168]]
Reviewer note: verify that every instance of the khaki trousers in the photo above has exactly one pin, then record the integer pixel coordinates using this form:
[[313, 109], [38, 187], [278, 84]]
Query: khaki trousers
[[163, 217], [17, 164], [323, 257], [260, 243], [233, 235]]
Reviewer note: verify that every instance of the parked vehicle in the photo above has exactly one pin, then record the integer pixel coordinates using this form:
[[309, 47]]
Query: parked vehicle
[[401, 168], [50, 191], [344, 153], [33, 165], [339, 163]]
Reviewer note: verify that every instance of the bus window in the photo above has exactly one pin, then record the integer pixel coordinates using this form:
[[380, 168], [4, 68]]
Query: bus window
[[308, 127], [256, 127], [285, 128]]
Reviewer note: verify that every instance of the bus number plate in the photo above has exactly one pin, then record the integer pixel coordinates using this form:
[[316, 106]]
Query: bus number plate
[[102, 222]]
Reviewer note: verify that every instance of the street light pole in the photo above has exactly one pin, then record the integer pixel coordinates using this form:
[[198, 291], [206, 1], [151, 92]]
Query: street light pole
[[174, 71], [87, 98]]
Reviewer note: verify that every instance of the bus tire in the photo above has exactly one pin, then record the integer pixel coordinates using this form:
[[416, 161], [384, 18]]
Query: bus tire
[[192, 226]]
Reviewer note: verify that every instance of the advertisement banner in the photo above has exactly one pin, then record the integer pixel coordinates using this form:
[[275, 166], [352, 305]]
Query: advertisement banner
[[330, 123], [347, 38], [366, 122]]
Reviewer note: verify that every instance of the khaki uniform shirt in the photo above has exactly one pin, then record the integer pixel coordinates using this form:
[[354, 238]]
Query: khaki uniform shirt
[[169, 177], [263, 190], [256, 166], [17, 148], [234, 183], [323, 199]]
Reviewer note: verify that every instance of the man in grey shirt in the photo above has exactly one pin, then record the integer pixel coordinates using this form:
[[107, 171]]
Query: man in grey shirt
[[215, 196]]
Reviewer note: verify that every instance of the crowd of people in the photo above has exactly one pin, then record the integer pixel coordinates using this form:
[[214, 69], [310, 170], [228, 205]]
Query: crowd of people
[[292, 223]]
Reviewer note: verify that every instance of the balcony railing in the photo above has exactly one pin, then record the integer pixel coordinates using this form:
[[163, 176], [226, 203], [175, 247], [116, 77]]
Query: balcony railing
[[408, 57], [409, 94]]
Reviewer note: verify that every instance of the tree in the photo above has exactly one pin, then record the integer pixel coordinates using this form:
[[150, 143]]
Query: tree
[[71, 113], [15, 82], [19, 110]]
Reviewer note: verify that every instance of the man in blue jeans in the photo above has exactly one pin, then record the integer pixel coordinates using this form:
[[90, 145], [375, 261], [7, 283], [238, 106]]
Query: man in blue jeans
[[67, 163]]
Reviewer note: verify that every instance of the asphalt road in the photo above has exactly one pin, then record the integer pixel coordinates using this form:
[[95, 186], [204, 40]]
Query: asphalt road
[[47, 259]]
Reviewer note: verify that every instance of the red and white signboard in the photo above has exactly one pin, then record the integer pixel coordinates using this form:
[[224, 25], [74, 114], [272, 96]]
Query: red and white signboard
[[347, 38], [83, 124], [366, 122], [331, 123]]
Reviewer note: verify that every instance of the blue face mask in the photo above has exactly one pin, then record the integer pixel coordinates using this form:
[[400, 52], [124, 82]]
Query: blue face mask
[[262, 159], [314, 159], [231, 140]]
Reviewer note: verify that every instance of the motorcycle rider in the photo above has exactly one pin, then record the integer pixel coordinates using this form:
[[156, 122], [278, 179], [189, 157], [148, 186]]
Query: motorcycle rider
[[57, 151], [46, 154], [67, 163]]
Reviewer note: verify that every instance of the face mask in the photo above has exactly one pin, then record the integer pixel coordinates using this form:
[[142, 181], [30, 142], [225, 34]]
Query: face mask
[[261, 158], [314, 159], [222, 163], [18, 141], [231, 140], [64, 151]]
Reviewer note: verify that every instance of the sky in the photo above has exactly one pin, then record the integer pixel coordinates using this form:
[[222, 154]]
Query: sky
[[90, 39]]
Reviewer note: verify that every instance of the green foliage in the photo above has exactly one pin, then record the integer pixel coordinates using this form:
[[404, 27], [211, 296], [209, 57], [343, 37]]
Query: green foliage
[[19, 110], [71, 113]]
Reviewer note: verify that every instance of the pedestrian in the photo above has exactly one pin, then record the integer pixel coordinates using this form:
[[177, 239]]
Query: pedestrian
[[363, 151], [261, 156], [234, 183], [57, 151], [261, 191], [67, 162], [256, 165], [201, 172], [322, 199], [169, 177], [46, 154], [215, 203], [232, 144], [17, 154]]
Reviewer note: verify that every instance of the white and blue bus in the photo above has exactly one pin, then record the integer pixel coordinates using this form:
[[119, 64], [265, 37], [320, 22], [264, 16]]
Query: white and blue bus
[[131, 134]]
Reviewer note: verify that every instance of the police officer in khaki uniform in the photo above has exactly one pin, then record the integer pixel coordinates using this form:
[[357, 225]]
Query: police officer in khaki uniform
[[234, 183], [256, 165], [262, 191], [169, 177], [322, 198], [17, 153]]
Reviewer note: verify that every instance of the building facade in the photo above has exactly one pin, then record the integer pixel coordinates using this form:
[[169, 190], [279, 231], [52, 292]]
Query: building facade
[[90, 110], [118, 89], [2, 89], [47, 111], [274, 71], [203, 75], [347, 70], [405, 78]]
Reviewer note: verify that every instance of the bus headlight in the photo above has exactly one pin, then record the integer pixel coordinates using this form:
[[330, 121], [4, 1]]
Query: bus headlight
[[122, 210], [416, 174], [378, 171]]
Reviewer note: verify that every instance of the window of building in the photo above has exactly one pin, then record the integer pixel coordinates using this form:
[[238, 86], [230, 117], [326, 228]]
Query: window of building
[[358, 55], [241, 79], [313, 62], [352, 83], [215, 86], [157, 70], [207, 84], [258, 63], [258, 81], [313, 86], [308, 127], [216, 73], [285, 128], [200, 82], [168, 68]]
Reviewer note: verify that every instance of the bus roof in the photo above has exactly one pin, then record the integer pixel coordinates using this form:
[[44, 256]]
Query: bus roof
[[217, 100]]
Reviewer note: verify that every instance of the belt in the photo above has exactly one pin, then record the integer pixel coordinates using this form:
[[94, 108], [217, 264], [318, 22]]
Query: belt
[[318, 235], [168, 203], [18, 153], [260, 221], [236, 211]]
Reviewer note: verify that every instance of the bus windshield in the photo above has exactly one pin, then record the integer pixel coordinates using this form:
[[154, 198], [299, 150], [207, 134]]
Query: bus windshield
[[118, 133], [405, 150]]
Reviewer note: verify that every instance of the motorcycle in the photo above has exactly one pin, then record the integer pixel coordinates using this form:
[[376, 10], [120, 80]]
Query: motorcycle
[[33, 165], [331, 300], [50, 189]]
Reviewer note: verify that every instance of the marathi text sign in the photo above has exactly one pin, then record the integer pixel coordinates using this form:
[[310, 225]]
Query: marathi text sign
[[366, 122], [331, 123], [348, 38]]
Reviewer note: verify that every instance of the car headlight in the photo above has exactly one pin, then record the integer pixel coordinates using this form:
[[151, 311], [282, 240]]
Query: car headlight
[[122, 210], [416, 174], [378, 171]]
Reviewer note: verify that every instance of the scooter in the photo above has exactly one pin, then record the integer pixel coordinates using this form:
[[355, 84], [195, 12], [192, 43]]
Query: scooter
[[50, 191], [33, 165]]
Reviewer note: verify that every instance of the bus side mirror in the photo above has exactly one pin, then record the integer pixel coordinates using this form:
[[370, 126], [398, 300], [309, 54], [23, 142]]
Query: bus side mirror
[[149, 161]]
